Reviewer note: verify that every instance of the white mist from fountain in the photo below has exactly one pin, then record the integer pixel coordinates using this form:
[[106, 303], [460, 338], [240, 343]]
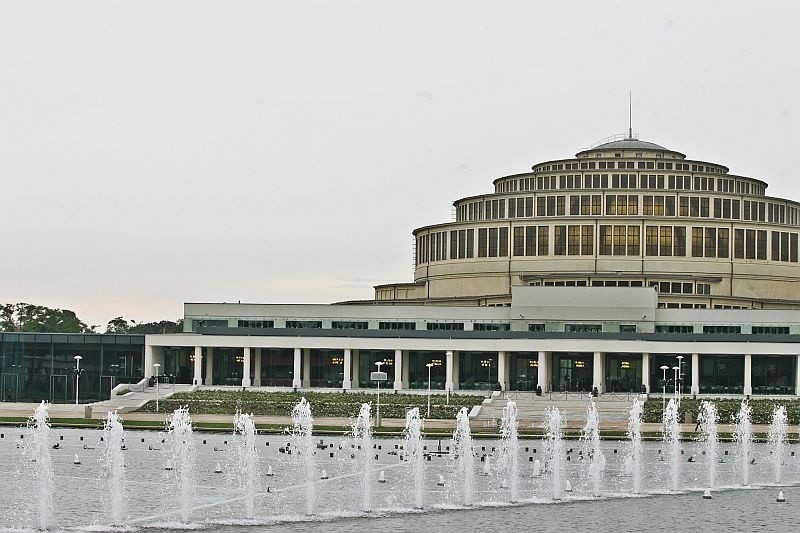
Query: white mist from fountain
[[414, 454], [778, 430], [37, 453], [179, 427], [114, 466], [708, 419], [302, 428], [743, 434], [509, 448], [590, 435], [554, 447], [244, 429], [672, 437], [463, 455], [362, 434], [634, 458]]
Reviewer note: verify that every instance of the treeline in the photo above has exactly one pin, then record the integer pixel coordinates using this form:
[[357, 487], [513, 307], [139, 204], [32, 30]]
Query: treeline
[[26, 317]]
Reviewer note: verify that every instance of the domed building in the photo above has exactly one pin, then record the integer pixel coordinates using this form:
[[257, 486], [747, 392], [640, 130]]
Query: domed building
[[624, 213]]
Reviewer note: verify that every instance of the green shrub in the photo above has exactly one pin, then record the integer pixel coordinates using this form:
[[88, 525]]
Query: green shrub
[[727, 409]]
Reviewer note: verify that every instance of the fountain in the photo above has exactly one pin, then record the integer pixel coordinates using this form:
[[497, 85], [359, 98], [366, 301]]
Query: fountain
[[362, 434], [36, 451], [244, 430], [302, 427], [554, 447], [743, 434], [708, 420], [778, 429], [464, 457], [179, 427], [413, 447], [114, 466], [590, 435], [672, 436], [509, 448], [633, 461]]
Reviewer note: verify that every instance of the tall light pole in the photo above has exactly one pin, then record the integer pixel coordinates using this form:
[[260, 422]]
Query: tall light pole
[[680, 377], [77, 375], [378, 376], [664, 369], [156, 366], [429, 365], [677, 370]]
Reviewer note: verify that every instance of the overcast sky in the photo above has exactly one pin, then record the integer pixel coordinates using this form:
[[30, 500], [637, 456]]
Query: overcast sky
[[154, 153]]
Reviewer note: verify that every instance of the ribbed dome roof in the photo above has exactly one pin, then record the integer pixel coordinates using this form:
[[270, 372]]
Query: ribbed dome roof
[[629, 144]]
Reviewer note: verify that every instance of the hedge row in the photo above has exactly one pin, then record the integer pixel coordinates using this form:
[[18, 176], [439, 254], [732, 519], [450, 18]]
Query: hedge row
[[322, 404], [726, 409]]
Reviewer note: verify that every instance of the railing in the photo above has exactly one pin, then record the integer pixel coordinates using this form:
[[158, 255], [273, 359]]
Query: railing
[[567, 395]]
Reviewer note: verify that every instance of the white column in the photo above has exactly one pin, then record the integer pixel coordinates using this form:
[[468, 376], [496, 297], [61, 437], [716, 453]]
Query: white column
[[456, 371], [646, 371], [448, 371], [748, 375], [209, 366], [542, 370], [502, 370], [306, 367], [695, 373], [598, 371], [198, 366], [398, 369], [355, 356], [148, 361], [257, 368], [347, 367], [246, 382], [797, 376], [298, 368], [404, 380]]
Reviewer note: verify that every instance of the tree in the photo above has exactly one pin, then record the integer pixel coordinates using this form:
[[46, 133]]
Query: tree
[[36, 318], [118, 325]]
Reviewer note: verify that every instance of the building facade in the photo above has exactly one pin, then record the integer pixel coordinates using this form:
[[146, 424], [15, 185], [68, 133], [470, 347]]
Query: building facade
[[625, 213]]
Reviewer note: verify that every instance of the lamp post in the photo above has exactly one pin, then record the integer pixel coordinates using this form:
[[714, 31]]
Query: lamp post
[[664, 369], [156, 366], [676, 369], [429, 365], [378, 376], [77, 375], [680, 377]]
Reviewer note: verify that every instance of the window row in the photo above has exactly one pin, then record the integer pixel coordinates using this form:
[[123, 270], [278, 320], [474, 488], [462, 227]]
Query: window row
[[629, 204], [611, 239]]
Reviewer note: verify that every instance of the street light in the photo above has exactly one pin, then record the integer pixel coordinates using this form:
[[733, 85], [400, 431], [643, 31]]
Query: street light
[[680, 377], [664, 369], [378, 376], [156, 366], [429, 365], [77, 375], [676, 369]]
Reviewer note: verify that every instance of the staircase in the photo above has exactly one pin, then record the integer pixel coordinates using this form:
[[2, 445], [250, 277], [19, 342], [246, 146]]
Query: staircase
[[613, 409], [138, 395]]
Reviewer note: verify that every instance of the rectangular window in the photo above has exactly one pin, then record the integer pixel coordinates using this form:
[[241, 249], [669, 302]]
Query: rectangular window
[[492, 242], [776, 246], [680, 241], [697, 242], [587, 240], [761, 244], [770, 330], [454, 244], [445, 326], [583, 328], [665, 246], [574, 205], [723, 242], [530, 240], [611, 204], [606, 239], [304, 324], [519, 241], [597, 205], [750, 244], [470, 243], [784, 246], [543, 247], [483, 241], [503, 252], [397, 325], [738, 243], [633, 204], [560, 240], [574, 240], [634, 246], [340, 324], [711, 242], [651, 241], [491, 326]]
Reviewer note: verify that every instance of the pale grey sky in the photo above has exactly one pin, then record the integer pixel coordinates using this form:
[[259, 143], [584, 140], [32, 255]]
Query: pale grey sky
[[153, 153]]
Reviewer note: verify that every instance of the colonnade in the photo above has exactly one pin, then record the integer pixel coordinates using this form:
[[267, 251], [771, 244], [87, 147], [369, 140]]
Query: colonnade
[[398, 375]]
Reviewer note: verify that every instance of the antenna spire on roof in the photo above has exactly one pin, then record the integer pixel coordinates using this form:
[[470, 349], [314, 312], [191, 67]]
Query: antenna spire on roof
[[630, 116]]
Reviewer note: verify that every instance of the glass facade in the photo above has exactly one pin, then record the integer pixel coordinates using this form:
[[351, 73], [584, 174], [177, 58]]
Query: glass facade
[[366, 366], [277, 367], [42, 366], [327, 368], [722, 374], [418, 369], [623, 372], [670, 361], [524, 371], [477, 370], [772, 374], [572, 372]]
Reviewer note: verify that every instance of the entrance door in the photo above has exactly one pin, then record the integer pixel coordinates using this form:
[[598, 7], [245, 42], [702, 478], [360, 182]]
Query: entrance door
[[106, 384], [59, 388]]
